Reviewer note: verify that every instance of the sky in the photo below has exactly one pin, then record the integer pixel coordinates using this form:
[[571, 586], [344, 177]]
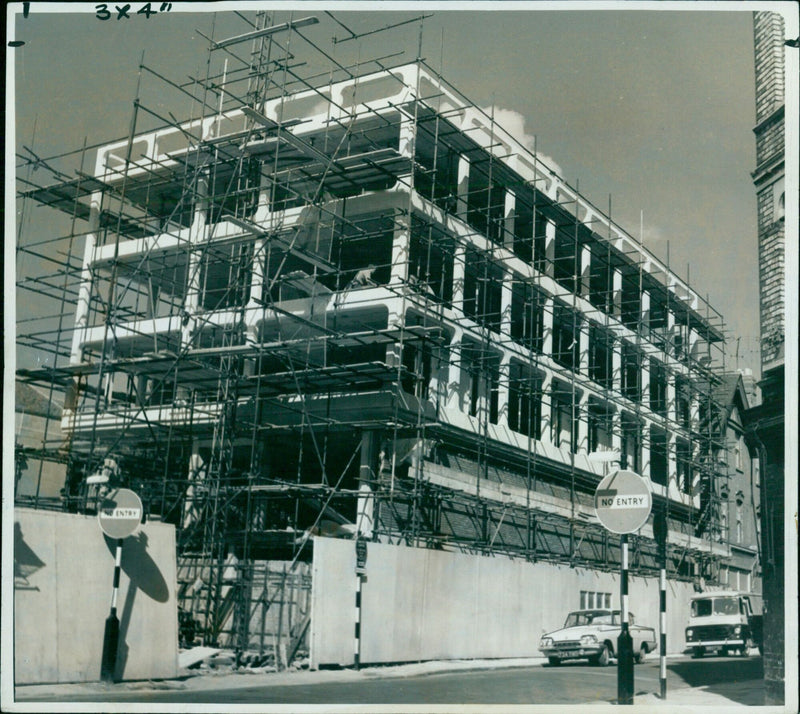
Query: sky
[[650, 111]]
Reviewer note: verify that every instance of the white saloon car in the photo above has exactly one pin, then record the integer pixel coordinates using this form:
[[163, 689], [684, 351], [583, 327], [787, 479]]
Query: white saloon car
[[592, 635]]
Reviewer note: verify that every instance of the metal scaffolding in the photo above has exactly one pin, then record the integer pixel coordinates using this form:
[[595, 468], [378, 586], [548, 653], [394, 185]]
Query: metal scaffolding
[[269, 312]]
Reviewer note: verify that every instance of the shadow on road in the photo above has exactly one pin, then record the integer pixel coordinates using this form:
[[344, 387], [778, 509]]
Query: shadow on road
[[718, 673]]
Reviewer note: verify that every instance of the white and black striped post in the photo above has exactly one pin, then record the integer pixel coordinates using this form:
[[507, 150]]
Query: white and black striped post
[[660, 534], [662, 624], [357, 642], [624, 641], [108, 663]]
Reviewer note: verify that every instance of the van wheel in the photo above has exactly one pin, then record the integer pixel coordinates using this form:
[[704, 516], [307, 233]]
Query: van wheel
[[603, 658], [698, 652], [641, 654]]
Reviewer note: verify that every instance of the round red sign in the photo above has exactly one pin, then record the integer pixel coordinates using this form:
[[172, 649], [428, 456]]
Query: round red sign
[[623, 501]]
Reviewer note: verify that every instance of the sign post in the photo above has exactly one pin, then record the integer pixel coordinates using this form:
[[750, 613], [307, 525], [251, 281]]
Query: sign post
[[623, 502], [119, 515], [660, 527], [361, 569]]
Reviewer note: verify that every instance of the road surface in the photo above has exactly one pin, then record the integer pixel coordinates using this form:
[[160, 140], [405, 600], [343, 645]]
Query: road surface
[[570, 683]]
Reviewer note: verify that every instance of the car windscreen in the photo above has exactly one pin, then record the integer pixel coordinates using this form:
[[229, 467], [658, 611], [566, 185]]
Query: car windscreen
[[585, 617], [726, 605], [715, 606]]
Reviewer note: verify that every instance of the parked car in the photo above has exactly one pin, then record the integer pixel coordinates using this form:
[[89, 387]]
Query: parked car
[[725, 621], [592, 635]]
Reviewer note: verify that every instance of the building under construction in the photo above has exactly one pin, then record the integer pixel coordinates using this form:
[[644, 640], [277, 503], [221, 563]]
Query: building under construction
[[347, 305]]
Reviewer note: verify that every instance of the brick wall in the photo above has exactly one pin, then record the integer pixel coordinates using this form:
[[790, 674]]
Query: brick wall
[[769, 60]]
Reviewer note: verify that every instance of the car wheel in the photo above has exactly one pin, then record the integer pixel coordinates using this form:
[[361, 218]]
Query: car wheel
[[641, 654], [603, 658], [554, 661], [698, 652]]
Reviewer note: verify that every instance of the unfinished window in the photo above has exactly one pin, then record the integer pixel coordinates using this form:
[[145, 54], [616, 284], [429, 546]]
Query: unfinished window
[[482, 289], [416, 370], [683, 463], [565, 418], [486, 204], [601, 279], [430, 263], [566, 337], [524, 400], [601, 420], [657, 322], [658, 387], [529, 228], [566, 268], [680, 342], [600, 357], [631, 301], [683, 402], [436, 167], [631, 452], [480, 377], [631, 373], [527, 315], [225, 275], [233, 189], [658, 455], [739, 516], [362, 250]]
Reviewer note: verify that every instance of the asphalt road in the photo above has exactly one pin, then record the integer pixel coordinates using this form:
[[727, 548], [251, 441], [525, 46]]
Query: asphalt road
[[570, 683]]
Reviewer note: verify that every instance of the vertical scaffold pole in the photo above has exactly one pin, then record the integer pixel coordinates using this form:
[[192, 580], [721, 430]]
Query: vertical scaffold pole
[[662, 624]]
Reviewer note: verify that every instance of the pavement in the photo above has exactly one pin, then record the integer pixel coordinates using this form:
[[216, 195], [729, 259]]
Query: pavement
[[727, 695]]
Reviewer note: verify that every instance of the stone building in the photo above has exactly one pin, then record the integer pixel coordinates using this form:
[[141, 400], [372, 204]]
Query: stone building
[[767, 420]]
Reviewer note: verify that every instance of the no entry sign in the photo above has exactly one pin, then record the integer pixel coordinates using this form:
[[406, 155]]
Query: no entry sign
[[120, 513], [623, 501]]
